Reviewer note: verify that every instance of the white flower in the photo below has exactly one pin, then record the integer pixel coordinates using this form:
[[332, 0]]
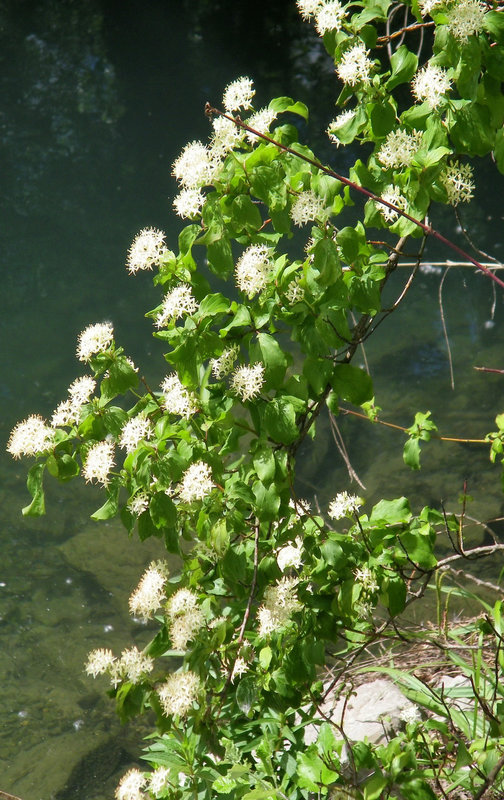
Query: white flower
[[178, 693], [223, 365], [261, 122], [146, 250], [426, 6], [280, 602], [132, 666], [181, 602], [194, 167], [431, 84], [131, 785], [308, 207], [355, 67], [410, 713], [196, 482], [188, 203], [329, 16], [30, 437], [248, 381], [99, 462], [99, 661], [290, 555], [226, 136], [138, 504], [344, 505], [184, 627], [458, 182], [240, 666], [392, 195], [253, 269], [159, 779], [399, 148], [177, 303], [294, 292], [238, 94], [465, 18], [307, 8], [149, 594], [134, 431], [337, 123], [81, 389], [176, 398], [367, 579], [66, 413], [94, 339]]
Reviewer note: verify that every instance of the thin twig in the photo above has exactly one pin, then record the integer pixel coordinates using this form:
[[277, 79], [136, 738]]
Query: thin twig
[[443, 323], [340, 444], [405, 430], [428, 229]]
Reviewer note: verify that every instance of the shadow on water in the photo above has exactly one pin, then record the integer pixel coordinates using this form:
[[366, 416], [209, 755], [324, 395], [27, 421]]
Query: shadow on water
[[98, 97]]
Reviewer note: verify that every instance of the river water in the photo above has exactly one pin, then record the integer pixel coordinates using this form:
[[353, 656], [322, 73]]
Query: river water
[[98, 98]]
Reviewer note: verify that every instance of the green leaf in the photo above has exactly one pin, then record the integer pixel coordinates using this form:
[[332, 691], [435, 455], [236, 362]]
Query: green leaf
[[278, 419], [318, 372], [246, 694], [471, 131], [282, 104], [265, 656], [404, 64], [34, 483], [383, 118], [264, 463], [220, 257], [224, 784], [162, 510], [391, 512], [374, 786], [121, 377], [267, 500], [349, 241], [352, 384], [111, 505], [272, 356], [493, 22], [411, 453]]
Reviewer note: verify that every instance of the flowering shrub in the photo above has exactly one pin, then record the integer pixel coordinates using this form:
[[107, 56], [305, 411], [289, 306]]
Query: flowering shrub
[[273, 596]]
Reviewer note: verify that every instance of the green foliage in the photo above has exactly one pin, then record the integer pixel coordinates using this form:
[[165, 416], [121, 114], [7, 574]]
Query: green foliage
[[270, 595]]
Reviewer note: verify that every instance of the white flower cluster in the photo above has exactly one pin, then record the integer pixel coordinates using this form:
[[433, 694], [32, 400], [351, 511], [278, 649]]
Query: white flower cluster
[[177, 303], [134, 431], [186, 618], [146, 250], [247, 382], [355, 67], [194, 167], [291, 555], [30, 437], [150, 592], [196, 482], [465, 18], [365, 577], [238, 94], [329, 17], [188, 203], [261, 122], [176, 398], [344, 505], [427, 6], [178, 693], [138, 504], [280, 602], [399, 148], [223, 365], [294, 292], [430, 85], [94, 339], [99, 462], [131, 785], [131, 666], [337, 123], [392, 195], [458, 182], [308, 207], [253, 269], [226, 136]]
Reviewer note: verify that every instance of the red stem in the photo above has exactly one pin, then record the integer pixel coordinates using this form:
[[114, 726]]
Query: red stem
[[430, 231]]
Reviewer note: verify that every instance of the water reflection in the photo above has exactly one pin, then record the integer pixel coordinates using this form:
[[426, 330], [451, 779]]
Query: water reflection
[[97, 100]]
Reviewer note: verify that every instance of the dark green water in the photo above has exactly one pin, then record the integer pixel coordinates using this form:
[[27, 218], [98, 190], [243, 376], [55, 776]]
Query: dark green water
[[97, 100]]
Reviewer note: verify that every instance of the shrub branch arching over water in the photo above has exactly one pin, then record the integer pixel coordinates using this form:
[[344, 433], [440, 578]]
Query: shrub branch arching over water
[[273, 594]]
